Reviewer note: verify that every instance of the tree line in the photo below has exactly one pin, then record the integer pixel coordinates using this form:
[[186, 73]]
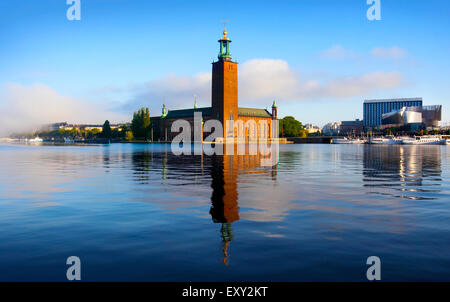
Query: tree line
[[290, 127], [140, 129]]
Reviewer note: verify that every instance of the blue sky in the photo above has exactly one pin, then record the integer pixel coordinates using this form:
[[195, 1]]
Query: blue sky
[[323, 56]]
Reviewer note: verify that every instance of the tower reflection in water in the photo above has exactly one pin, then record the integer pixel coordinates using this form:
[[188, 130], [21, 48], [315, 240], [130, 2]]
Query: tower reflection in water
[[225, 170], [188, 175], [224, 199], [413, 171]]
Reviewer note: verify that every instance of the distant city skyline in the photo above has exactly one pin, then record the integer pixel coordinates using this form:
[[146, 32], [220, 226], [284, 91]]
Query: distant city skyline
[[319, 59]]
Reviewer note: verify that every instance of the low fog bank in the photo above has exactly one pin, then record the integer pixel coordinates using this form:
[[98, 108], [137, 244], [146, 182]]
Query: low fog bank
[[28, 108]]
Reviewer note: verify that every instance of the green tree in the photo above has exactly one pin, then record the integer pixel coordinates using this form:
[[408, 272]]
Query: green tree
[[136, 124], [106, 130], [290, 127], [140, 125], [92, 133], [74, 132], [119, 132], [129, 136]]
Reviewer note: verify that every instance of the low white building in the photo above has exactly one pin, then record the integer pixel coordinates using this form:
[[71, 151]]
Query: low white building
[[331, 128], [311, 128]]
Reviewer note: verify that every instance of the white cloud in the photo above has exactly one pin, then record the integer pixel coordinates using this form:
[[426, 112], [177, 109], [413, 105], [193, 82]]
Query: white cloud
[[337, 52], [173, 90], [394, 53], [25, 108], [260, 81], [181, 89], [264, 79], [364, 84]]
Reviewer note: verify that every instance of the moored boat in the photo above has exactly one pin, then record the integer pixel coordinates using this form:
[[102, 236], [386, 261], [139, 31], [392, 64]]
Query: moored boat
[[426, 140], [386, 140], [37, 139], [346, 140]]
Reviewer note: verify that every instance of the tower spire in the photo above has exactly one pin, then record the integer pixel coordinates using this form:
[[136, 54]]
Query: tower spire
[[195, 101], [224, 53], [164, 111]]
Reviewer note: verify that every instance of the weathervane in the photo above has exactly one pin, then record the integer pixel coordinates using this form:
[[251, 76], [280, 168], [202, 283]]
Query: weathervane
[[225, 24], [225, 30]]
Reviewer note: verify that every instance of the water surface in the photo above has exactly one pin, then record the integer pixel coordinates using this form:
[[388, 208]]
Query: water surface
[[139, 213]]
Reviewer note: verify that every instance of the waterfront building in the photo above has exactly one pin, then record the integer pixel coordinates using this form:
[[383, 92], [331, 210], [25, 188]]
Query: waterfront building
[[331, 128], [224, 105], [413, 117], [351, 127], [312, 129], [66, 126], [373, 110], [444, 126], [88, 127]]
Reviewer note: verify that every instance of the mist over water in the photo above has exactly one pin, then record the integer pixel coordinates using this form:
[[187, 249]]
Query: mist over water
[[25, 109], [139, 213]]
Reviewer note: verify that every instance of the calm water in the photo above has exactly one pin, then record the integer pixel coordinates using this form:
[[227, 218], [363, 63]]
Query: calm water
[[137, 212]]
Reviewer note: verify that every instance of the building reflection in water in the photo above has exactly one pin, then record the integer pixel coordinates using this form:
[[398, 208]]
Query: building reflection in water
[[142, 164], [106, 159], [404, 169], [224, 199], [225, 170], [185, 172]]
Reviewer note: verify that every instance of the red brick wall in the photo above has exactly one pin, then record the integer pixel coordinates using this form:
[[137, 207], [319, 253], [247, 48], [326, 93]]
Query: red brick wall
[[224, 100], [258, 129]]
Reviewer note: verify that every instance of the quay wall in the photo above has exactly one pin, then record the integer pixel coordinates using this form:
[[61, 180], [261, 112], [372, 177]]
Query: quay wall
[[311, 140]]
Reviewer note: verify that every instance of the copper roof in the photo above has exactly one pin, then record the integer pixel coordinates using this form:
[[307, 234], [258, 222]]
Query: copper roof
[[253, 112]]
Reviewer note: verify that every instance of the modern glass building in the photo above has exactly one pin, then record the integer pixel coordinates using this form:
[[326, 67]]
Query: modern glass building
[[373, 110], [427, 116]]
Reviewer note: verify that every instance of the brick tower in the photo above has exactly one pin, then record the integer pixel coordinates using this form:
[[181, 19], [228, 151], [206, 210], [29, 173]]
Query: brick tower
[[224, 98]]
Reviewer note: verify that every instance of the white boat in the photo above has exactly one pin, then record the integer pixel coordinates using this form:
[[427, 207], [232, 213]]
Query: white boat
[[347, 141], [37, 139], [426, 140], [386, 140], [68, 140]]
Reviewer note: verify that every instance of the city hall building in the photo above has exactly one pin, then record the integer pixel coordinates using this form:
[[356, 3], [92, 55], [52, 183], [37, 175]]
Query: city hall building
[[224, 106], [373, 110]]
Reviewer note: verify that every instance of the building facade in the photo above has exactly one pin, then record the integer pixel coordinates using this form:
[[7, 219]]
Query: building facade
[[351, 127], [331, 128], [249, 123], [373, 110], [418, 116], [312, 129]]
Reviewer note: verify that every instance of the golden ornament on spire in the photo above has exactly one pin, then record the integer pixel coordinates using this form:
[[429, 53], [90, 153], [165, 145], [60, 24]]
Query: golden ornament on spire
[[225, 30], [224, 35]]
